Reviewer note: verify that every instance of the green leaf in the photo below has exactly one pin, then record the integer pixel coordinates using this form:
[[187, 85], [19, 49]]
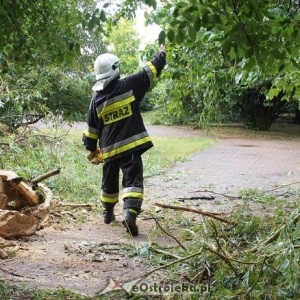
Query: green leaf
[[277, 54], [188, 16], [179, 36], [217, 19], [92, 23], [182, 4], [273, 92], [162, 37], [281, 68], [226, 46], [197, 24], [171, 35], [151, 3], [294, 63], [192, 33], [183, 24], [102, 16], [77, 49], [144, 252]]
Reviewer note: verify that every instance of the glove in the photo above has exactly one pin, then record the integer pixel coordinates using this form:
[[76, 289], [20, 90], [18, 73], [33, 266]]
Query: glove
[[95, 157]]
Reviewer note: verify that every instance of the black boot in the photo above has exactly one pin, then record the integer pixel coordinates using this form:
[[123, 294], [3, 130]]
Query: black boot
[[130, 221], [108, 212]]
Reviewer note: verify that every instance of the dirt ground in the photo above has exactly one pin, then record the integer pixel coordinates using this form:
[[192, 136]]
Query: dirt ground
[[83, 257]]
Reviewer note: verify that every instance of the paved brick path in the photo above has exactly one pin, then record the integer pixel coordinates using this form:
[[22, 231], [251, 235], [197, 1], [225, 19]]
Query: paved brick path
[[229, 166]]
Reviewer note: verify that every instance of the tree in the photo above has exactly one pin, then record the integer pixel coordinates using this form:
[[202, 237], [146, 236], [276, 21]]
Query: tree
[[55, 30], [256, 43], [125, 42], [46, 48]]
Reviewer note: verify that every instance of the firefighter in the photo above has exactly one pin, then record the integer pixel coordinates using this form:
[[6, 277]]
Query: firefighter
[[115, 132]]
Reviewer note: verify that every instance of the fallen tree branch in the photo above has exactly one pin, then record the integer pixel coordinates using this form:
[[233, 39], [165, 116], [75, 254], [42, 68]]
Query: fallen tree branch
[[74, 205], [227, 258], [168, 234], [45, 176], [276, 234], [281, 186], [220, 194], [159, 251], [173, 263], [15, 274], [259, 275], [197, 211], [196, 198], [278, 231]]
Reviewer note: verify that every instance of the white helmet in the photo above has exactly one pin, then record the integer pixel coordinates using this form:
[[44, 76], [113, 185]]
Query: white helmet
[[106, 68]]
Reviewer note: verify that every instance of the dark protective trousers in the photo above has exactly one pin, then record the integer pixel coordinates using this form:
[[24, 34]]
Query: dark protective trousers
[[132, 181]]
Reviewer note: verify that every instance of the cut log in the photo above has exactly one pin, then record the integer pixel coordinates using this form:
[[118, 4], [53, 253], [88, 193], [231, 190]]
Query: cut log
[[7, 175], [3, 201], [21, 186], [33, 211], [12, 222], [26, 190], [1, 186], [3, 197]]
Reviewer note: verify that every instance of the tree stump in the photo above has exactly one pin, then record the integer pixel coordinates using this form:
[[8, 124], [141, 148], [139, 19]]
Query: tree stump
[[24, 206]]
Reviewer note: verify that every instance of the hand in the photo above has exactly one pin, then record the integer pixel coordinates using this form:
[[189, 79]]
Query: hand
[[162, 48], [95, 157]]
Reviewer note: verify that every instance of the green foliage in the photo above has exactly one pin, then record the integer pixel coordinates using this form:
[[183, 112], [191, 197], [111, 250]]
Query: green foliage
[[12, 292], [125, 44], [254, 256], [54, 30], [59, 294], [43, 91], [4, 293], [46, 53], [218, 51], [256, 196]]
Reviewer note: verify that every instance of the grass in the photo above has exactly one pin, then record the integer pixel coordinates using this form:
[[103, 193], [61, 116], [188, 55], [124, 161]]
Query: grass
[[148, 116], [279, 130], [80, 181]]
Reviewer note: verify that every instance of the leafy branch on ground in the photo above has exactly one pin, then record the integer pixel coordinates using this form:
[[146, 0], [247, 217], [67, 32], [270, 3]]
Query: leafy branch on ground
[[251, 256]]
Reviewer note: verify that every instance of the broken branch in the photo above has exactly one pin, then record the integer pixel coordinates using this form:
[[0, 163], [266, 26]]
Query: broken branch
[[173, 263], [196, 198], [197, 211], [45, 176]]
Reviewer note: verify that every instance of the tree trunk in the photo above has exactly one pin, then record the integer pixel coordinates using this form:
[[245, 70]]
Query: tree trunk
[[297, 117]]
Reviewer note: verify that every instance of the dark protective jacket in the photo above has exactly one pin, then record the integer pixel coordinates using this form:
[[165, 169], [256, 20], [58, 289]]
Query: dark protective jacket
[[114, 116]]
